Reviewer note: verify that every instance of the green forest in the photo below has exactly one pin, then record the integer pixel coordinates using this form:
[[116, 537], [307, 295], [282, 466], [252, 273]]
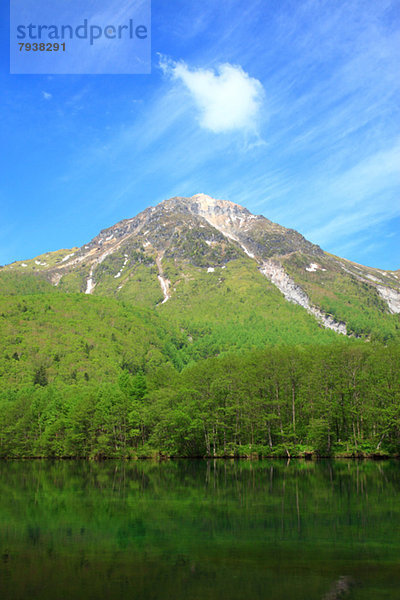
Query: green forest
[[98, 377]]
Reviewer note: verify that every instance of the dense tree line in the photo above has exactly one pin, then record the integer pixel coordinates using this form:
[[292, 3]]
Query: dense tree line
[[283, 401], [219, 372]]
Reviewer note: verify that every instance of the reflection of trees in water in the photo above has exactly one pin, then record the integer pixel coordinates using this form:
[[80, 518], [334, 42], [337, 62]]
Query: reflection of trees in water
[[225, 526], [302, 491]]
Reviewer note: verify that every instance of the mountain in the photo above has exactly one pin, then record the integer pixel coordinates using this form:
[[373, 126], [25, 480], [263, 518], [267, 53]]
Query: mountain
[[198, 329], [206, 260]]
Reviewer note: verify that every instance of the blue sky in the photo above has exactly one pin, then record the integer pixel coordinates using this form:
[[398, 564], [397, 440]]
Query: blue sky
[[288, 107]]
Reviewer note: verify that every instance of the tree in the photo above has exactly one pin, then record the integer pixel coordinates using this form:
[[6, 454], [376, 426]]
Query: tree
[[40, 376]]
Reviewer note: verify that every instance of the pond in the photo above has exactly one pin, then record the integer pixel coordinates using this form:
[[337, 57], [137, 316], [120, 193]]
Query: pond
[[200, 529]]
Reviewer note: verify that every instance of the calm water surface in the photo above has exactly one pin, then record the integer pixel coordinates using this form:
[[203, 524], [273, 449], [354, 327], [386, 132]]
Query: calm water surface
[[200, 530]]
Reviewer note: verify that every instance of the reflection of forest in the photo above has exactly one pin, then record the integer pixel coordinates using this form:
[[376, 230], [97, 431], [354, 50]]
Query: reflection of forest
[[178, 502], [92, 530]]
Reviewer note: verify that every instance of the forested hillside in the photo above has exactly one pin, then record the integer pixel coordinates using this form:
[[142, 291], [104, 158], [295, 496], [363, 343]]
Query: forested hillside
[[194, 329], [96, 378]]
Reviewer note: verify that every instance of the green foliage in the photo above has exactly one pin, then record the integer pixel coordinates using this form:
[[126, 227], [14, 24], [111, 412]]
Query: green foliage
[[40, 376], [194, 244], [76, 338], [226, 367], [343, 295], [318, 436], [13, 283], [233, 309], [341, 399]]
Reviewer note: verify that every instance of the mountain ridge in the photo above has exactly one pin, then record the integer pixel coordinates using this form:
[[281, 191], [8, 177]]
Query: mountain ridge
[[169, 243], [186, 343]]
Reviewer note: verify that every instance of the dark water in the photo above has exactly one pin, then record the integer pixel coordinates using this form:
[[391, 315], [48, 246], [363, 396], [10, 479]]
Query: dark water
[[200, 530]]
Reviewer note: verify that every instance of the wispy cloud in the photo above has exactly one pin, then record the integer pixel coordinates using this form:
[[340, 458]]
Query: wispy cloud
[[227, 99], [315, 95]]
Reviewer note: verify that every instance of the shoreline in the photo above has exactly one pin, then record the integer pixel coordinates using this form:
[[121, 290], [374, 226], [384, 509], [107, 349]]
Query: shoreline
[[161, 458]]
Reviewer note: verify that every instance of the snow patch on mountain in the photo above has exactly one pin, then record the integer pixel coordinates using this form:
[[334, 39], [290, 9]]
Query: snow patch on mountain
[[90, 284], [76, 260], [122, 268], [228, 235], [250, 254], [164, 282], [391, 297], [68, 256], [373, 278], [294, 293], [313, 267]]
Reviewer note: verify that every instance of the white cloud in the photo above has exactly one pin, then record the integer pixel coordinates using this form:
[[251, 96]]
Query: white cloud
[[47, 96], [227, 100]]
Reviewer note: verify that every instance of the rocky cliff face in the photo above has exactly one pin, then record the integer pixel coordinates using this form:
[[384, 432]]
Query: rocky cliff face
[[146, 259]]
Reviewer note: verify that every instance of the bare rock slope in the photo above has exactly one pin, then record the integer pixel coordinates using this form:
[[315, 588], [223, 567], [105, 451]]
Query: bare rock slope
[[146, 259]]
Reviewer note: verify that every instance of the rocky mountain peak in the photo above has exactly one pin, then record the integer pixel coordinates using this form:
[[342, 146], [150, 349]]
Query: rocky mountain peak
[[206, 205], [231, 219], [167, 246]]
